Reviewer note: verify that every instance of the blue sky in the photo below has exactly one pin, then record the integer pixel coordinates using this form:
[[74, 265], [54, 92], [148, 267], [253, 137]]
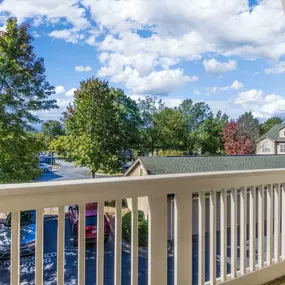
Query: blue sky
[[227, 53]]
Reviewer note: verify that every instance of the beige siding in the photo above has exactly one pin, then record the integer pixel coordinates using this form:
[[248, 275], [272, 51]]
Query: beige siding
[[278, 149], [142, 201], [269, 142], [282, 133]]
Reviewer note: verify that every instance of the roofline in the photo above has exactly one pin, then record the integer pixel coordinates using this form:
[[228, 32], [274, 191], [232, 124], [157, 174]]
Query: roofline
[[283, 126], [131, 168], [266, 137]]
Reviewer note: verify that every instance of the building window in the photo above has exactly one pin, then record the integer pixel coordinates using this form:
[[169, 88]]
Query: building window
[[282, 147], [266, 147]]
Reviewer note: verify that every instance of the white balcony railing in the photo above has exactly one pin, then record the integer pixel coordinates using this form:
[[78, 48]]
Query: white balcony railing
[[239, 202]]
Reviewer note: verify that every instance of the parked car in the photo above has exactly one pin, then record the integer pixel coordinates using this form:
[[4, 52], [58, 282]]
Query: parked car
[[91, 223], [45, 167], [47, 160], [27, 235]]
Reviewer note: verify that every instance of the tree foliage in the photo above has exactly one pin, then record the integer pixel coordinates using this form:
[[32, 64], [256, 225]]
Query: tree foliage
[[268, 124], [100, 124], [23, 91], [52, 129]]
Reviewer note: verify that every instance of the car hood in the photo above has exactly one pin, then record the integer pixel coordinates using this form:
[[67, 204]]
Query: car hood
[[27, 235]]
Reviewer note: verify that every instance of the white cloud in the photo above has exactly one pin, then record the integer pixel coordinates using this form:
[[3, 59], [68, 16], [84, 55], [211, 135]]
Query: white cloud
[[215, 67], [156, 83], [83, 68], [277, 69], [237, 85], [249, 97], [196, 92], [69, 35], [70, 92], [59, 89]]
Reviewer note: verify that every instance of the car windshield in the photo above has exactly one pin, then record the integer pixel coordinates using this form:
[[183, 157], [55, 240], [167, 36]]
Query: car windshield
[[27, 218]]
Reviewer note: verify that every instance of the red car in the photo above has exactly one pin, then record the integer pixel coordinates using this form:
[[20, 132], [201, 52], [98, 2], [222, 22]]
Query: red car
[[91, 223]]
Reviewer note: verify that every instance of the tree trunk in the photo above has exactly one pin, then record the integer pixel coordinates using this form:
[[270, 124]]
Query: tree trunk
[[93, 174]]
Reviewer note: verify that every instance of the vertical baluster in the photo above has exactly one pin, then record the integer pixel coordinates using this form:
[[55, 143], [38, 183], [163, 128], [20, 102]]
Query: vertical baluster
[[81, 244], [183, 239], [100, 243], [243, 226], [39, 246], [260, 227], [60, 245], [201, 250], [213, 233], [252, 228], [157, 241], [276, 223], [233, 233], [134, 243], [269, 225], [283, 221], [118, 242], [223, 245], [15, 249]]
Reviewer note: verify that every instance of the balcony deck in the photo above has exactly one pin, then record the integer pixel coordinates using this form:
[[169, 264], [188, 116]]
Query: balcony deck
[[215, 217], [278, 281]]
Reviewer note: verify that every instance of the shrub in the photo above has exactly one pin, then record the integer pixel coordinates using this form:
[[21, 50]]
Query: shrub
[[113, 203], [142, 228]]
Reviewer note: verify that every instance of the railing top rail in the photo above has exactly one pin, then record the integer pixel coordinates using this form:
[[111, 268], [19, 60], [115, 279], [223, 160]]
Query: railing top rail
[[61, 193]]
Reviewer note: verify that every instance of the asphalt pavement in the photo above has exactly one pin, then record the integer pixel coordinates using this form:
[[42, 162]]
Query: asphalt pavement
[[67, 171]]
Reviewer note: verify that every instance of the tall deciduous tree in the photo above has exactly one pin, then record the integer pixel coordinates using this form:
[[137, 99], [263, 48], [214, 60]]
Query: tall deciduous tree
[[52, 129], [23, 91], [149, 108], [268, 124], [100, 124]]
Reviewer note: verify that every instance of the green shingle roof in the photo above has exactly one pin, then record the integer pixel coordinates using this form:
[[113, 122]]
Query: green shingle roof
[[172, 165], [273, 133]]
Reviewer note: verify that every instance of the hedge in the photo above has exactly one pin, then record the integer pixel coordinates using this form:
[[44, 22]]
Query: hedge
[[142, 228]]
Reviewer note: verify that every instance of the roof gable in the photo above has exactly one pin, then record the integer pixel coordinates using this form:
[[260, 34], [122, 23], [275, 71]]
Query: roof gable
[[273, 133]]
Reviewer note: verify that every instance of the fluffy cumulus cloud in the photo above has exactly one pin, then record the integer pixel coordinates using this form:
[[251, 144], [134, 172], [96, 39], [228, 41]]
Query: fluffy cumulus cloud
[[215, 67], [249, 96], [236, 85], [83, 68], [156, 53], [276, 69], [157, 82], [70, 92], [59, 89]]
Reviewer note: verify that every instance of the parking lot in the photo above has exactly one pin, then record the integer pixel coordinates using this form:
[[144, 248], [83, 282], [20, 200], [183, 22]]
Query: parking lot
[[66, 171]]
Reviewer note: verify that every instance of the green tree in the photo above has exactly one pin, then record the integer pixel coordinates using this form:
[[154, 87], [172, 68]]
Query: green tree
[[195, 114], [23, 92], [149, 108], [100, 124], [210, 134], [52, 129], [23, 86], [268, 124]]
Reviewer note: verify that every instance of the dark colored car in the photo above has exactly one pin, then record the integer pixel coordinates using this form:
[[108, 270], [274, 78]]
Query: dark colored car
[[27, 234], [47, 160], [91, 223]]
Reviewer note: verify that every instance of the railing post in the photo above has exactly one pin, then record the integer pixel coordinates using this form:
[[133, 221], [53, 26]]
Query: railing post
[[134, 243], [260, 227], [201, 250], [118, 242], [39, 246], [81, 244], [243, 227], [252, 228], [223, 231], [213, 233], [276, 223], [60, 245], [157, 240], [233, 233], [15, 249], [183, 239], [283, 221], [100, 243], [269, 231]]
